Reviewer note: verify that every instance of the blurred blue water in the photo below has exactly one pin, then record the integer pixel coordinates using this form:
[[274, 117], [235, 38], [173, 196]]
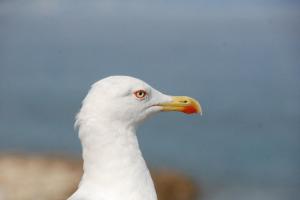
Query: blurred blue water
[[241, 60]]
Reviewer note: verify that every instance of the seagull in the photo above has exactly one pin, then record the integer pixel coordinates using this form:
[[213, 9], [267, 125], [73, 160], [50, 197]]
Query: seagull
[[113, 165]]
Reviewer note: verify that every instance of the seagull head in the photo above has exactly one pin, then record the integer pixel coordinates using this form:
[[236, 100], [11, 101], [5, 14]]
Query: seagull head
[[128, 100]]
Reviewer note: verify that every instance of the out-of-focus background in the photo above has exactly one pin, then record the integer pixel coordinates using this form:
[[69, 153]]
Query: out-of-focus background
[[241, 59]]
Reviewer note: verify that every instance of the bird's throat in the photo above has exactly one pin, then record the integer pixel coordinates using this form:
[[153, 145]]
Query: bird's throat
[[113, 164]]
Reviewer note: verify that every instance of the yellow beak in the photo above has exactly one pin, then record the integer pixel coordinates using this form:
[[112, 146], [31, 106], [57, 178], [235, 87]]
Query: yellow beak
[[184, 104]]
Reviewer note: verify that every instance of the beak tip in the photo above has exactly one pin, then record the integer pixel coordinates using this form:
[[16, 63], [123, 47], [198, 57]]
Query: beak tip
[[198, 108]]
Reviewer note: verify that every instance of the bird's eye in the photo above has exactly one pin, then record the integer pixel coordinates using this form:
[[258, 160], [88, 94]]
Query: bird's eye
[[140, 94]]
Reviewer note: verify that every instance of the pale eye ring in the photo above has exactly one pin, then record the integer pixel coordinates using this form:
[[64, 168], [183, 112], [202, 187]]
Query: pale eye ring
[[140, 94]]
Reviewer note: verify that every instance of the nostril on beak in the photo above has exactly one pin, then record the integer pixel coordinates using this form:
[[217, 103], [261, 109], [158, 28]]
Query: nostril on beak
[[184, 101]]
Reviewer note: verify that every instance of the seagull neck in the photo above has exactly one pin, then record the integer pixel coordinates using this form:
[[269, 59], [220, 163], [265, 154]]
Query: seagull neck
[[106, 147], [113, 161]]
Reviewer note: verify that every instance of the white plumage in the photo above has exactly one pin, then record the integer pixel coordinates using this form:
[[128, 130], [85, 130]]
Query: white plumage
[[114, 168]]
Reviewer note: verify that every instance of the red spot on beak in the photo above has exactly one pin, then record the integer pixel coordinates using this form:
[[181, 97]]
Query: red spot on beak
[[190, 110]]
